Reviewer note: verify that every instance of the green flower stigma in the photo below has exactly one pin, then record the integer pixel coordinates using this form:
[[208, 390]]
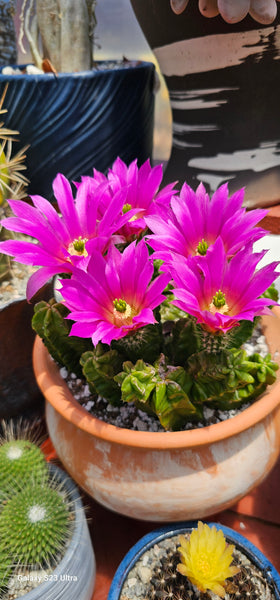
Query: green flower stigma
[[202, 248], [219, 299], [120, 305], [126, 208], [219, 304], [77, 247]]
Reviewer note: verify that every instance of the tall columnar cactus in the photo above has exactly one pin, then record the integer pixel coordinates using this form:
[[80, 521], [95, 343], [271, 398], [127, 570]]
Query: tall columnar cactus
[[65, 29], [20, 461], [35, 524]]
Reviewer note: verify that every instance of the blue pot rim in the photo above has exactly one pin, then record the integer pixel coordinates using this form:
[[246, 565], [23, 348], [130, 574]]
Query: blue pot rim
[[157, 535], [127, 66]]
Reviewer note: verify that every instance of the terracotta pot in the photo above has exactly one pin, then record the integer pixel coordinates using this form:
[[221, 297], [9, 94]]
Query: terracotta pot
[[163, 476]]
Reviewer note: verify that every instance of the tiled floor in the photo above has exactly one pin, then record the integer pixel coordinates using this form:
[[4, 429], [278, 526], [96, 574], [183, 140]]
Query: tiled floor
[[257, 517]]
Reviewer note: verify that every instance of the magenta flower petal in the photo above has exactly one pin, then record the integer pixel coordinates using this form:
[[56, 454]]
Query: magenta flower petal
[[67, 240], [116, 302], [38, 279], [63, 193], [220, 293], [196, 221]]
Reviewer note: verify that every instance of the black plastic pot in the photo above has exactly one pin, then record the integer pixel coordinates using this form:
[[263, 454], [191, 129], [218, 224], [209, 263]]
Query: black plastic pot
[[223, 83], [77, 121], [20, 396]]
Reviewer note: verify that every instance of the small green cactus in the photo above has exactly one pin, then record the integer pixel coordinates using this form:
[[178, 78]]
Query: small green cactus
[[20, 460], [35, 524], [144, 343]]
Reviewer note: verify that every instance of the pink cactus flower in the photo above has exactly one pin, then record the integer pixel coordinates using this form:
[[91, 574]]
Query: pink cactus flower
[[220, 293], [115, 296]]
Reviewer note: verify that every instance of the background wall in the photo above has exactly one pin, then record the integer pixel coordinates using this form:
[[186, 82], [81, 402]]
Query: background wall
[[118, 34]]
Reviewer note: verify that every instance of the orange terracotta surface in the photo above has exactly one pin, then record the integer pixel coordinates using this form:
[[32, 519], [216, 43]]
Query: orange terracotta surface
[[272, 220]]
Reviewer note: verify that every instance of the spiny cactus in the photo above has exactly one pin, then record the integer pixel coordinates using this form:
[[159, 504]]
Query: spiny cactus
[[20, 460], [145, 343], [5, 569], [168, 583], [12, 181], [35, 524], [229, 378]]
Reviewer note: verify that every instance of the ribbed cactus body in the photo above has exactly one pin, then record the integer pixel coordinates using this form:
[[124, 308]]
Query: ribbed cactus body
[[34, 524]]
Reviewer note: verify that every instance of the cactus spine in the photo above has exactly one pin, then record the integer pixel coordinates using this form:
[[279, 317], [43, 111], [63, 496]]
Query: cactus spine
[[20, 460], [34, 524]]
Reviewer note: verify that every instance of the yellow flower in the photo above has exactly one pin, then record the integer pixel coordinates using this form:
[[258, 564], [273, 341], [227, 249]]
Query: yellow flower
[[206, 559]]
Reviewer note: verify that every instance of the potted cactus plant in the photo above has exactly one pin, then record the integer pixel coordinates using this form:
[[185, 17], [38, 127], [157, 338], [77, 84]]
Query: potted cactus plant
[[160, 290], [74, 112], [194, 559], [42, 524]]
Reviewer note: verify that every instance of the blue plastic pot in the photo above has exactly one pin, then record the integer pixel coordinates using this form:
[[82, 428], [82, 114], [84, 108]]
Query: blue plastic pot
[[77, 121], [152, 538]]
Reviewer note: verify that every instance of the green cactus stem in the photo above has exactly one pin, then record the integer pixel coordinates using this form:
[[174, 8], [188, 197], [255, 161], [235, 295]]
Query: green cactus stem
[[230, 378], [20, 460], [159, 389], [35, 524], [99, 369], [50, 324], [145, 343]]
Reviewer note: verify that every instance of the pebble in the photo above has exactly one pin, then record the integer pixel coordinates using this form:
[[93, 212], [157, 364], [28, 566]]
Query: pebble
[[145, 574]]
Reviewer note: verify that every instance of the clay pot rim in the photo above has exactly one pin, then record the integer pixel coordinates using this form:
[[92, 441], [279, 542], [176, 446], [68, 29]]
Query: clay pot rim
[[57, 393]]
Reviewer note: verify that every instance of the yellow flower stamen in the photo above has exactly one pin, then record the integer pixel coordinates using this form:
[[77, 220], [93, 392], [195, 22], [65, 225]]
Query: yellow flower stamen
[[126, 208]]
